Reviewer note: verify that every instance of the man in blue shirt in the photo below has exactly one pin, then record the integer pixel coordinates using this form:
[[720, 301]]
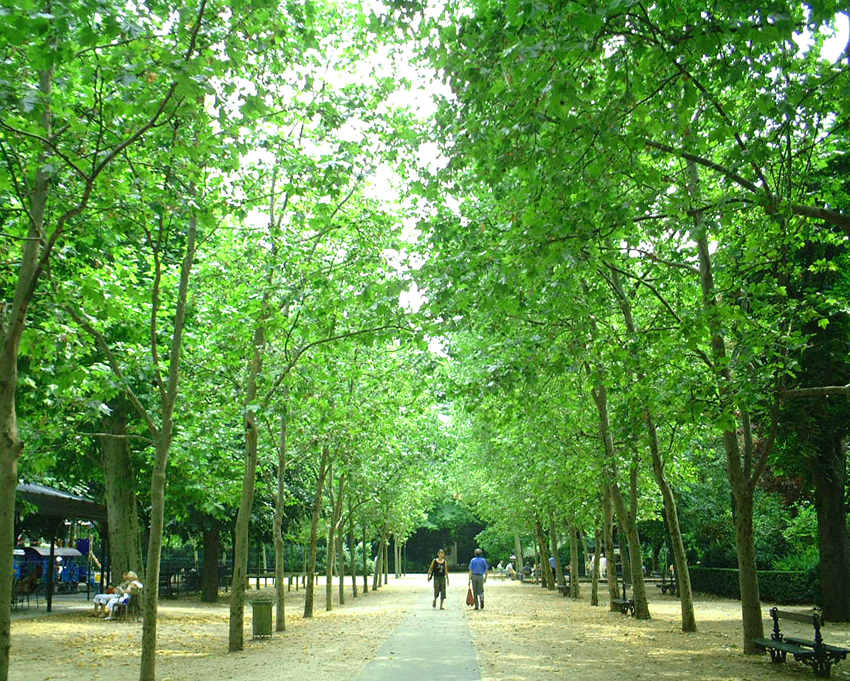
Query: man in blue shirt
[[478, 569]]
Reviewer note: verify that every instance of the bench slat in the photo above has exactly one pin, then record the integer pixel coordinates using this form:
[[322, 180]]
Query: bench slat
[[808, 618], [811, 644], [785, 647]]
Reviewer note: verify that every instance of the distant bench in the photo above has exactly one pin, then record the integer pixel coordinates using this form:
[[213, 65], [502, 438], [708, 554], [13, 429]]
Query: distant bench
[[668, 585], [818, 655], [625, 605], [565, 586], [290, 577]]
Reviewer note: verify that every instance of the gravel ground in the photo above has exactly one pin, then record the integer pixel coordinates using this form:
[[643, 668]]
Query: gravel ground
[[524, 634]]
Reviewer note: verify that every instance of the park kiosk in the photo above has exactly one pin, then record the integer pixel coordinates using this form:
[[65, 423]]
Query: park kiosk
[[58, 506]]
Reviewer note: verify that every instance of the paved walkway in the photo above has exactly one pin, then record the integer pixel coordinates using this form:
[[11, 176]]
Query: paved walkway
[[61, 603], [428, 643]]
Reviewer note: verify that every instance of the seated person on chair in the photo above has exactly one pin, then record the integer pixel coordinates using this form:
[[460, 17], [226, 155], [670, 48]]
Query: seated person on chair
[[27, 586], [130, 584]]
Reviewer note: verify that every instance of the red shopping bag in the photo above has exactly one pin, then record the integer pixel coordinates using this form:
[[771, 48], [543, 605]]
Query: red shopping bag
[[470, 599]]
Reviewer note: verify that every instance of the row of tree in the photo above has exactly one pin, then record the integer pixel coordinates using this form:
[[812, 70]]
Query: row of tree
[[645, 255], [201, 282]]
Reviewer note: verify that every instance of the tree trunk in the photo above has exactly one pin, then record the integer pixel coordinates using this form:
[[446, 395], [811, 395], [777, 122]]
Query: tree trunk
[[125, 549], [163, 437], [574, 583], [366, 551], [610, 558], [340, 552], [625, 554], [379, 566], [545, 570], [594, 573], [520, 561], [314, 532], [385, 542], [627, 519], [828, 472], [209, 574], [553, 540], [12, 325], [351, 550], [236, 639], [680, 560], [635, 563], [10, 450], [147, 671], [679, 557], [743, 472], [747, 573], [333, 531], [277, 524]]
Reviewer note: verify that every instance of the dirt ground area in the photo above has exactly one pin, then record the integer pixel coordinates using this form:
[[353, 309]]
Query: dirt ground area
[[528, 633], [524, 634]]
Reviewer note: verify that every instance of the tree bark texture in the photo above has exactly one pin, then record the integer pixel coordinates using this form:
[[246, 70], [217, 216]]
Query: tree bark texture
[[385, 542], [635, 566], [553, 540], [340, 552], [828, 472], [236, 638], [379, 566], [163, 437], [277, 524], [742, 475], [594, 573], [12, 325], [314, 531], [545, 571], [366, 551], [680, 559], [147, 671], [336, 500], [125, 549], [610, 558], [351, 550], [574, 572], [627, 520], [658, 468]]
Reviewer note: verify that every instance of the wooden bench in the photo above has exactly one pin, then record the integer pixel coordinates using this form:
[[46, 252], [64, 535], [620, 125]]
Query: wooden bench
[[625, 605], [668, 585], [816, 654]]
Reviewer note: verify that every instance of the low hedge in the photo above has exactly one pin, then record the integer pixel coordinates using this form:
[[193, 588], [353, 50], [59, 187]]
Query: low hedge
[[785, 588]]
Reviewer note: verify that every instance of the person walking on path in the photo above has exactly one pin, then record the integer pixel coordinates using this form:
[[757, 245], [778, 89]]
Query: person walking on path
[[439, 571], [478, 569]]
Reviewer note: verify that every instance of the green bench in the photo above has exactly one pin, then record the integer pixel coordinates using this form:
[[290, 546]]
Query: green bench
[[815, 653]]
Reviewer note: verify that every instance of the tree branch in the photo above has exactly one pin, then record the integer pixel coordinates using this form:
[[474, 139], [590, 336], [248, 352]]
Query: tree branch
[[818, 392]]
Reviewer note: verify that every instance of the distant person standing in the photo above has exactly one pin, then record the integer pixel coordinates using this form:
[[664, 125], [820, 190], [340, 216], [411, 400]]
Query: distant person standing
[[478, 569], [552, 566], [439, 572]]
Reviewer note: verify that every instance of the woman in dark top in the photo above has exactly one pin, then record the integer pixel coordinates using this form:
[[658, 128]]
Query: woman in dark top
[[439, 571]]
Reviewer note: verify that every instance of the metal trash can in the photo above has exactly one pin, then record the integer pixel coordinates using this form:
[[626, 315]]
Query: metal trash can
[[262, 611]]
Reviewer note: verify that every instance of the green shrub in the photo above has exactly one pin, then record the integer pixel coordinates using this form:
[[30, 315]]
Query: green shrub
[[798, 562], [775, 586]]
